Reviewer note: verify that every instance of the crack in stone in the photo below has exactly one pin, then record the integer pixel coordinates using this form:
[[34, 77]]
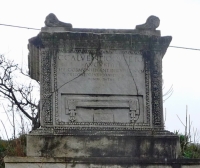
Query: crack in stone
[[135, 87], [76, 76]]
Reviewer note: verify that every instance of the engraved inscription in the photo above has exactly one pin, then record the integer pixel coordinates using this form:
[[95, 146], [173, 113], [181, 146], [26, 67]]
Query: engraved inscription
[[108, 67]]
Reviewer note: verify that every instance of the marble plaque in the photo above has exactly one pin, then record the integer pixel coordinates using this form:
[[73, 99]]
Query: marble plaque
[[103, 87], [114, 72]]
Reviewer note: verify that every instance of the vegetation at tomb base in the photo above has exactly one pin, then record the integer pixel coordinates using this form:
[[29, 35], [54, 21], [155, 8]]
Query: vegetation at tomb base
[[14, 147], [188, 149]]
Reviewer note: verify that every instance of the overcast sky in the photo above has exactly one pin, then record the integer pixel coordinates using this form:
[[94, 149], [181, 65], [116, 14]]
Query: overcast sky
[[179, 18]]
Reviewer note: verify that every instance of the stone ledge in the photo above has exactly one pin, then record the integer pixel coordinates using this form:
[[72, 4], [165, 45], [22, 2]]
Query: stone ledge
[[100, 160], [100, 131], [102, 31]]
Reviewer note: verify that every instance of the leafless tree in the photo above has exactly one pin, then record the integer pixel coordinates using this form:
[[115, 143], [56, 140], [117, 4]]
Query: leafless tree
[[17, 91]]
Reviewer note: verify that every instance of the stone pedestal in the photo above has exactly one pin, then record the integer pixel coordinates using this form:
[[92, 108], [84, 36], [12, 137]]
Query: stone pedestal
[[133, 144]]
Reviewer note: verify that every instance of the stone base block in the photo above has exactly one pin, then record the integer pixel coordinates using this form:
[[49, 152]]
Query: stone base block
[[134, 146], [99, 162]]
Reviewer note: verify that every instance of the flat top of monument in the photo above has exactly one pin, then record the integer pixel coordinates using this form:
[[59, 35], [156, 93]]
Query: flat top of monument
[[53, 25]]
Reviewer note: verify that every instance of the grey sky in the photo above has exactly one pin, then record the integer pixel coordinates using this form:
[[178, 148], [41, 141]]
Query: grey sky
[[179, 18]]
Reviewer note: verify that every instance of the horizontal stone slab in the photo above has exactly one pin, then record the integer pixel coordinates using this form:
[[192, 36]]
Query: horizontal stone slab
[[162, 146], [98, 162], [110, 31]]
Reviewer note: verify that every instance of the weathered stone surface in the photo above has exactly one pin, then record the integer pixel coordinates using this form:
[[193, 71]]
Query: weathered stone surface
[[89, 78], [151, 24], [98, 162], [35, 165], [33, 58], [146, 32], [100, 82], [101, 99], [52, 21], [138, 146]]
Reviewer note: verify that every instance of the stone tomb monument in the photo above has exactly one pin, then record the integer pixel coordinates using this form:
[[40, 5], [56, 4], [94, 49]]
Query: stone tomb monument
[[101, 98]]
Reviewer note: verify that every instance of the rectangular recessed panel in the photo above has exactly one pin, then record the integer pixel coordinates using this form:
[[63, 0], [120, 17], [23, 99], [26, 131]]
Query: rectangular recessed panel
[[110, 84], [90, 108]]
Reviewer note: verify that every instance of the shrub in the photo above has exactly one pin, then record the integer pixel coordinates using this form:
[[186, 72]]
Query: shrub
[[14, 147], [189, 150]]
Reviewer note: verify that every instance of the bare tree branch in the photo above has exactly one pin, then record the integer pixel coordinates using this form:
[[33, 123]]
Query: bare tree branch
[[19, 95]]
